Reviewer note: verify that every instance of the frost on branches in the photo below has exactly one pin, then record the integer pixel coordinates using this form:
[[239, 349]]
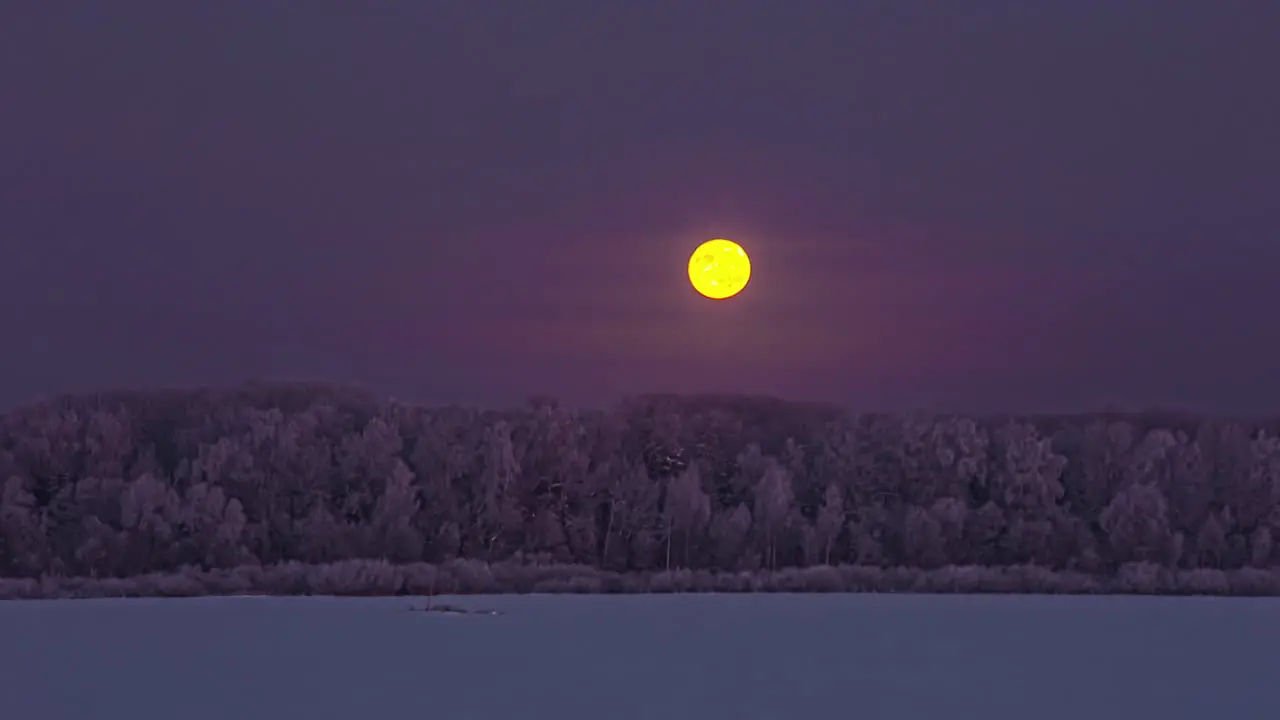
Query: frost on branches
[[130, 484]]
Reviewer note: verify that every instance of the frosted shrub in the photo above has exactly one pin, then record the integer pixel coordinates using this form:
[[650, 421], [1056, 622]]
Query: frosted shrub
[[578, 584], [1140, 578], [1203, 581], [179, 586], [419, 578], [468, 577], [19, 589], [1253, 582]]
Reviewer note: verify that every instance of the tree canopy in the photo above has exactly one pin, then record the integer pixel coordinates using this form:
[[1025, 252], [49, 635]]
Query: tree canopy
[[121, 484]]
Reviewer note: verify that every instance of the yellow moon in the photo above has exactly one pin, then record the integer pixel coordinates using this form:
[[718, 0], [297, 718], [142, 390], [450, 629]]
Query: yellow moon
[[719, 269]]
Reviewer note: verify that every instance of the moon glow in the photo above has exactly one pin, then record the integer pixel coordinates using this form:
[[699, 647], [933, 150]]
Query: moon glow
[[719, 269]]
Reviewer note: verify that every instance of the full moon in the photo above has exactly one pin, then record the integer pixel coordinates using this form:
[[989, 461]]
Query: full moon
[[719, 269]]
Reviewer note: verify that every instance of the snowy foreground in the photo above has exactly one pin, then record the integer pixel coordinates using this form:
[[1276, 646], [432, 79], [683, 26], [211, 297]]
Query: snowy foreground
[[739, 657]]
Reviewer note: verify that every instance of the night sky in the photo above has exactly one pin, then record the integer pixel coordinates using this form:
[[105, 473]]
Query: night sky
[[997, 205]]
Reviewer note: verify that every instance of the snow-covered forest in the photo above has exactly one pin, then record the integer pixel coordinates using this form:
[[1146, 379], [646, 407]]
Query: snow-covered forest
[[133, 483]]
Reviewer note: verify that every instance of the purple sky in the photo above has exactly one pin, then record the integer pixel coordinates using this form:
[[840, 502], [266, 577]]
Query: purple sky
[[997, 205]]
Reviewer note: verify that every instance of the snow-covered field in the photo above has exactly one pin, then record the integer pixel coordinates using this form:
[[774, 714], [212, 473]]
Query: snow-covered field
[[669, 657]]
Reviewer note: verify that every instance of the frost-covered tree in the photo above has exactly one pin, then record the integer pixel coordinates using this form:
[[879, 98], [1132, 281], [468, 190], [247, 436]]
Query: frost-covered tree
[[773, 496], [393, 530], [21, 537], [830, 521], [129, 483], [149, 508], [495, 514], [687, 510], [1137, 524]]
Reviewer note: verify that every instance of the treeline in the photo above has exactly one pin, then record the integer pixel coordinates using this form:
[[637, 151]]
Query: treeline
[[197, 484]]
